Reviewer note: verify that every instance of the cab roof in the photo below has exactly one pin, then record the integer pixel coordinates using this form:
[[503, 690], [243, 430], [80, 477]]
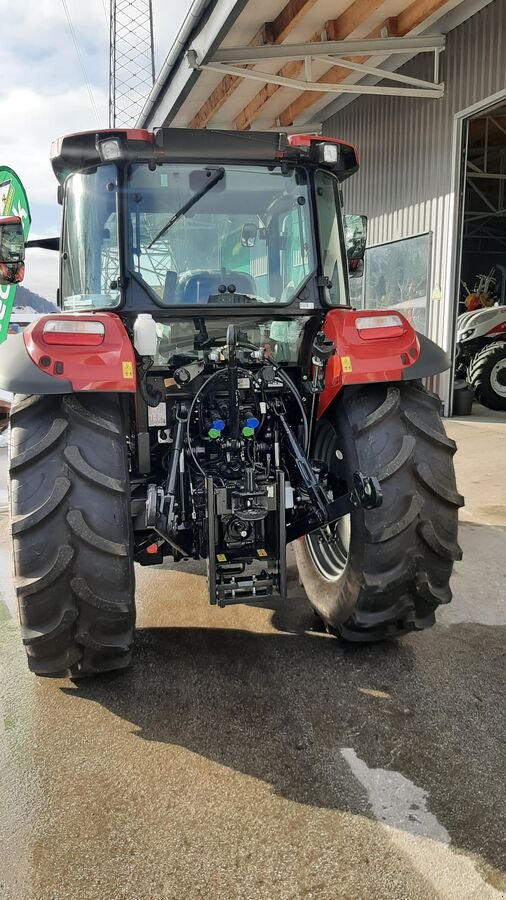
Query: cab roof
[[79, 151]]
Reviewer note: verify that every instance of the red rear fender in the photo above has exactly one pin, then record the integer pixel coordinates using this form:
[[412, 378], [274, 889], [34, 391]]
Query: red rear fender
[[367, 355], [90, 361]]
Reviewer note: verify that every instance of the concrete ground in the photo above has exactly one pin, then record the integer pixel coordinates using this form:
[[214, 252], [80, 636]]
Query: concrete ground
[[246, 756]]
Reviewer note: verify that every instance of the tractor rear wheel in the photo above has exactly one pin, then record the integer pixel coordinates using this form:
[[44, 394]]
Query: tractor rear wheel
[[71, 533], [487, 374], [383, 572]]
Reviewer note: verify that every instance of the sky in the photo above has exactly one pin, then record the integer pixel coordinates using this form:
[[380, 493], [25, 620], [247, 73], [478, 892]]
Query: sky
[[43, 95]]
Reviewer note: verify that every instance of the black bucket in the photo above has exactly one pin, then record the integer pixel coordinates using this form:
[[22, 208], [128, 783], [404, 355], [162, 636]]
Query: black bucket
[[463, 401]]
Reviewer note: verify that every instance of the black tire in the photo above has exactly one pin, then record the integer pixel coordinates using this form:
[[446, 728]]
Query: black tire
[[71, 533], [487, 374], [396, 569]]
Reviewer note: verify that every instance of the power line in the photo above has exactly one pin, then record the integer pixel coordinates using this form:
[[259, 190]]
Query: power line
[[79, 56], [106, 17]]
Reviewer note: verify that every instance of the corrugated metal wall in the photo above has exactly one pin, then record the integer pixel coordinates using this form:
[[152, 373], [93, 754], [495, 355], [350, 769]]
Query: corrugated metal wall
[[407, 177]]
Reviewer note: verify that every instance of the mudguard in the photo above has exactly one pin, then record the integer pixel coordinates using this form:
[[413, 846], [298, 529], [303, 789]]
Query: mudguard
[[29, 364], [384, 352]]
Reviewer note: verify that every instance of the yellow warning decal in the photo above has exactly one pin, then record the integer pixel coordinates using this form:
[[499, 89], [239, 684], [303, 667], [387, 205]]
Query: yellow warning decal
[[220, 557], [128, 371], [346, 364], [262, 553]]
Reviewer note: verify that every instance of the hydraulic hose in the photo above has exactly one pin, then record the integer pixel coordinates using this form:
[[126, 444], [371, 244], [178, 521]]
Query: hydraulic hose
[[151, 397]]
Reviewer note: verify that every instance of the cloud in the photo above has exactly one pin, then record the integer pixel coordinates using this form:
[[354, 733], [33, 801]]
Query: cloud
[[25, 146], [37, 46], [43, 96], [42, 272]]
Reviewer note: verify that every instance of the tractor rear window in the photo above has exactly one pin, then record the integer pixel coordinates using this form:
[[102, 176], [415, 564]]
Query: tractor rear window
[[219, 235]]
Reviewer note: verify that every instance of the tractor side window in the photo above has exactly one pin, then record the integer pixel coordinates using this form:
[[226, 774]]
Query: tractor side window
[[90, 259], [330, 228]]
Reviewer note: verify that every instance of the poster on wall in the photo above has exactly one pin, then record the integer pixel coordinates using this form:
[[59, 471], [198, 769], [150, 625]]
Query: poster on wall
[[397, 276], [13, 202]]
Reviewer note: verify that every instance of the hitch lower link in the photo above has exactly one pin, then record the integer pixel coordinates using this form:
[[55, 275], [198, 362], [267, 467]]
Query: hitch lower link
[[366, 491], [366, 494]]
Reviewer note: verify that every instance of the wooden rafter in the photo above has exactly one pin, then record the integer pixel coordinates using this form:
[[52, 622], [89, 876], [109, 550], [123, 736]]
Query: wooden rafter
[[333, 76], [335, 29], [273, 32], [290, 70], [351, 19], [400, 26]]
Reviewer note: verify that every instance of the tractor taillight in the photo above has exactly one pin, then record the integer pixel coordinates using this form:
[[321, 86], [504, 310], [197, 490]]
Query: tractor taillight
[[372, 327], [69, 332]]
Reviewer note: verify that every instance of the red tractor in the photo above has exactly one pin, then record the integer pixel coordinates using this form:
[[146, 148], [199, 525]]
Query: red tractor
[[206, 391]]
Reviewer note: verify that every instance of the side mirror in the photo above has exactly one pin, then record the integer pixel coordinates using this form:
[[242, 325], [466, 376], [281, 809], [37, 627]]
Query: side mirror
[[12, 250], [249, 234], [355, 236], [356, 268]]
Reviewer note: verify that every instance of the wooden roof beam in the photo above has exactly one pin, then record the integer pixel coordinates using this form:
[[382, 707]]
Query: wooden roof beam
[[333, 76], [290, 70], [336, 29], [351, 19], [273, 32], [399, 26]]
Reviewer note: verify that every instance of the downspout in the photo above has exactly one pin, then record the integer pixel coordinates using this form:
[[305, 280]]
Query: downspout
[[190, 21]]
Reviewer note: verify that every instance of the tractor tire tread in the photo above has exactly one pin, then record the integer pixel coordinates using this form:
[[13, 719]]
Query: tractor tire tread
[[60, 490], [478, 375], [53, 434], [401, 554], [389, 405], [71, 532], [77, 462]]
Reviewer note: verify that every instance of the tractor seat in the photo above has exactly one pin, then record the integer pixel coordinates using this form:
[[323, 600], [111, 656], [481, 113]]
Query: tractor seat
[[196, 287]]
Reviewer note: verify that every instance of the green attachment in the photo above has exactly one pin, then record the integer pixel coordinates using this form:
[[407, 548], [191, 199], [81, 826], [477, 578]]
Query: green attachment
[[248, 432], [214, 433]]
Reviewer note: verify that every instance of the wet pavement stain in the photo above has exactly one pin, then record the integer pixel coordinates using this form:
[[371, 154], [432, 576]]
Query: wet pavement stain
[[247, 756]]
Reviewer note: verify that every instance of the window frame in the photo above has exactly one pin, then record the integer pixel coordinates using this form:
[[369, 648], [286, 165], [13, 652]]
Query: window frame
[[344, 291], [90, 170], [294, 305]]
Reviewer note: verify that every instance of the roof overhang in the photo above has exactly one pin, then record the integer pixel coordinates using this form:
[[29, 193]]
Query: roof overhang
[[231, 68]]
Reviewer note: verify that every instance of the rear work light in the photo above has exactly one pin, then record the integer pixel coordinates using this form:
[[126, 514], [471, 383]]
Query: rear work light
[[329, 153], [77, 333], [110, 149], [370, 326]]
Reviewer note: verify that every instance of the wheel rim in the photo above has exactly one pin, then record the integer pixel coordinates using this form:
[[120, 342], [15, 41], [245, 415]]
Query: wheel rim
[[329, 556], [498, 378], [328, 547]]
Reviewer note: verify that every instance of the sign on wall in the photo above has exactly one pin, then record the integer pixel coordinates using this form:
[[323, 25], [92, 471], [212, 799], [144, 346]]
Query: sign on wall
[[397, 276], [13, 202]]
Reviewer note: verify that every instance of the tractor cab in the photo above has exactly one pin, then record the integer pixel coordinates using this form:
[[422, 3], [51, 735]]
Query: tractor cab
[[180, 220]]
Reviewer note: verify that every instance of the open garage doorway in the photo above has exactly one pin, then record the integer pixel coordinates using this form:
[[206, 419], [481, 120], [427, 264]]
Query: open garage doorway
[[480, 362]]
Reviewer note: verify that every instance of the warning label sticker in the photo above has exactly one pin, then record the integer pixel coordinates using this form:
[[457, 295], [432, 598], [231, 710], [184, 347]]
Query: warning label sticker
[[346, 364], [128, 371], [157, 415]]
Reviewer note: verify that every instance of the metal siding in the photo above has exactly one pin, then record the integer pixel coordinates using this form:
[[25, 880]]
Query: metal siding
[[406, 180]]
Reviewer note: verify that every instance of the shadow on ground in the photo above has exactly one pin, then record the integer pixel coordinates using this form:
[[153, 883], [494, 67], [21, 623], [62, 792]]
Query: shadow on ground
[[282, 707]]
